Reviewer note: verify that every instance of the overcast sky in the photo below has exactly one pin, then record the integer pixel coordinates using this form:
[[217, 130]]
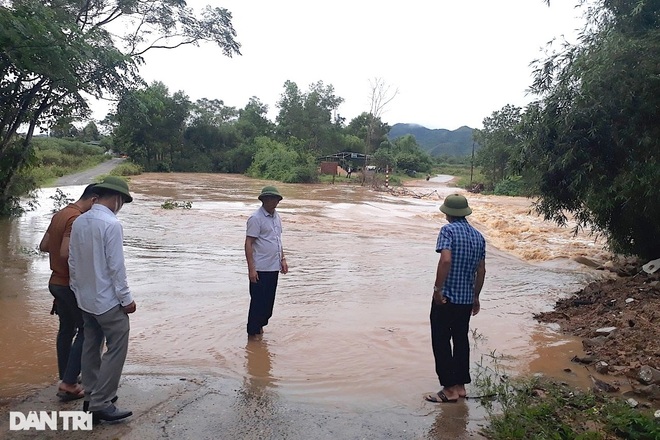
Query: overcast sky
[[453, 62]]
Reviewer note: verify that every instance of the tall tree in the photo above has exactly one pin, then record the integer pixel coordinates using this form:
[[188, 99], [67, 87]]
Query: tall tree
[[310, 119], [290, 119], [90, 132], [380, 95], [150, 124], [499, 141], [253, 120], [55, 53], [593, 137], [212, 112], [366, 126]]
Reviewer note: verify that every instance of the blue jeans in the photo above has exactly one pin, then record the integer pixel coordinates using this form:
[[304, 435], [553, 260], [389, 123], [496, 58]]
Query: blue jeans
[[70, 335], [262, 300]]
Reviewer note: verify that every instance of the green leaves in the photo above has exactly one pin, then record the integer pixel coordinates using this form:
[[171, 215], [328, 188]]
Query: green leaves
[[593, 139], [54, 53], [276, 161], [309, 116]]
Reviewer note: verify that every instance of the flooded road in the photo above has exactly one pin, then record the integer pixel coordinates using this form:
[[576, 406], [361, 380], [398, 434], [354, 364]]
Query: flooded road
[[350, 326]]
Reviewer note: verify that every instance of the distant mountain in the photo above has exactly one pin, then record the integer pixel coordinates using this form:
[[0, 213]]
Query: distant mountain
[[439, 141]]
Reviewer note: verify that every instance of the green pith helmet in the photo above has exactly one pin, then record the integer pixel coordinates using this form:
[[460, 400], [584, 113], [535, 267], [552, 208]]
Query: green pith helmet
[[116, 184], [270, 191], [456, 205]]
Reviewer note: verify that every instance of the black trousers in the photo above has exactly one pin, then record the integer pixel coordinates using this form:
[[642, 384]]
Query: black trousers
[[70, 335], [262, 300], [450, 324]]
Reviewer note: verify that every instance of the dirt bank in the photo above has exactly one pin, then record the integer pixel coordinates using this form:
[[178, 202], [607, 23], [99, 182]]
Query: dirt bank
[[630, 304]]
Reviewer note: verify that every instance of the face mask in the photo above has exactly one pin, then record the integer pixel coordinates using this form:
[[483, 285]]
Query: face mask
[[118, 204]]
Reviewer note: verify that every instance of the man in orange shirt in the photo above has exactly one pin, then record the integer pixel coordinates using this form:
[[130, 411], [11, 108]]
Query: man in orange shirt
[[70, 334]]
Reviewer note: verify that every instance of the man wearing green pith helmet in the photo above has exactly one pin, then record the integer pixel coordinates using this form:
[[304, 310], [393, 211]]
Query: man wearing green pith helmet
[[458, 283], [98, 279], [265, 259]]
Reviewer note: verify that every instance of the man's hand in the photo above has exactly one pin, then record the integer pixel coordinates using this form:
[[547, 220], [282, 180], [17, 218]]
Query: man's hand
[[476, 306], [439, 299], [253, 275], [53, 310], [285, 267], [130, 308]]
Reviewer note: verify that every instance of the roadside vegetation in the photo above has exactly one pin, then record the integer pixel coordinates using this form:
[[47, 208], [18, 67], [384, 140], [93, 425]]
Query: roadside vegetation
[[55, 158], [589, 147], [538, 408], [541, 408], [126, 169], [50, 159]]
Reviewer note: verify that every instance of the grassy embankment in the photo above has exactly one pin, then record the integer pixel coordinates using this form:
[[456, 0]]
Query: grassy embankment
[[55, 158], [537, 408]]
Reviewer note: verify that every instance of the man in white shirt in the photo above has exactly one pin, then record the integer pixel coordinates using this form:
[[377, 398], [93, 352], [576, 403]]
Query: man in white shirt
[[98, 279], [265, 259]]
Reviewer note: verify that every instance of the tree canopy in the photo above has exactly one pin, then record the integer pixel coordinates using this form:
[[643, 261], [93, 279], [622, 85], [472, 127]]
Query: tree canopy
[[55, 53], [593, 138]]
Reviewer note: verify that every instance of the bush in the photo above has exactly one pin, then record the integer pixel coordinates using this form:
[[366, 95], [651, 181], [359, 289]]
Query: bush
[[395, 180], [302, 174], [276, 161], [512, 186], [66, 146], [541, 409], [163, 167], [53, 158], [127, 169]]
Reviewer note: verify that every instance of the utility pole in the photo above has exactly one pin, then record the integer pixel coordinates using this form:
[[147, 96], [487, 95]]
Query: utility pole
[[472, 165]]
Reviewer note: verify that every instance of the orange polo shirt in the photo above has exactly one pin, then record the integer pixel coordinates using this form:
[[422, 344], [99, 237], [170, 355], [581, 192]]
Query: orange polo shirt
[[60, 227]]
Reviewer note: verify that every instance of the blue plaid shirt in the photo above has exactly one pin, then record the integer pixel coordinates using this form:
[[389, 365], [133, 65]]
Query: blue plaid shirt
[[468, 248]]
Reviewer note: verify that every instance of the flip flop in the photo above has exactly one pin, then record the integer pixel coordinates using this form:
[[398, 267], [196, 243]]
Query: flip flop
[[441, 396], [67, 396]]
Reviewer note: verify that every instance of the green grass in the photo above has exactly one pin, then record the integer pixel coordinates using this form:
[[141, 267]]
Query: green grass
[[461, 172], [542, 409], [126, 169], [54, 158], [45, 175]]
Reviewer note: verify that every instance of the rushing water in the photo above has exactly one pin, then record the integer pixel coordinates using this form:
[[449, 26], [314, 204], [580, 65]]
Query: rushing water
[[350, 325]]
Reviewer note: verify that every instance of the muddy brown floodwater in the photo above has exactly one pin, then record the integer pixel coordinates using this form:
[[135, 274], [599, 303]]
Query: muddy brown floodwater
[[350, 326]]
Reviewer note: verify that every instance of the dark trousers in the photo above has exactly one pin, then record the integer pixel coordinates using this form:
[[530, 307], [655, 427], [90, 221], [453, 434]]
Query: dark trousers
[[450, 324], [70, 335], [262, 300]]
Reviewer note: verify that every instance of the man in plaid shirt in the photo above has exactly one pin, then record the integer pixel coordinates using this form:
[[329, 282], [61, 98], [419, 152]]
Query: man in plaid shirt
[[458, 282]]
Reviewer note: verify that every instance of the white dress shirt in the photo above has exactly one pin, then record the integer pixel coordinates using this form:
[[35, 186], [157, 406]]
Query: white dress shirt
[[96, 261]]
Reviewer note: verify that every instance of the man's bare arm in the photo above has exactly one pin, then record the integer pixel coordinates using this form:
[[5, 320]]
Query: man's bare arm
[[249, 257], [43, 245]]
